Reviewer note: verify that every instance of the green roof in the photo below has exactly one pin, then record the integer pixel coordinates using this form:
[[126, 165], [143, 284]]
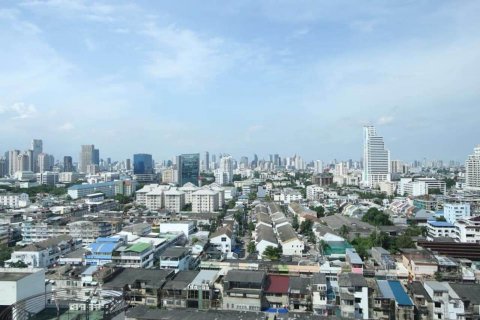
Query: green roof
[[138, 247]]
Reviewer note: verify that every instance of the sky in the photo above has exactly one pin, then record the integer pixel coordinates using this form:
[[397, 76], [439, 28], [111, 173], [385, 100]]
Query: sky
[[241, 77]]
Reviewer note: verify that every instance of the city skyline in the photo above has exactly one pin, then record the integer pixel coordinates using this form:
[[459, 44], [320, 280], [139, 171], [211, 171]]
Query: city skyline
[[290, 77]]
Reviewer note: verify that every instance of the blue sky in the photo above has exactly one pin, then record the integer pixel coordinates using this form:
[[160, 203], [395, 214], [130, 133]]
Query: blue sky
[[169, 77]]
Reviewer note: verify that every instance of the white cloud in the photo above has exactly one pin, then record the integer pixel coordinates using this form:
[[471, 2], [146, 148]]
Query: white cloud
[[183, 55], [67, 126], [384, 120], [18, 110]]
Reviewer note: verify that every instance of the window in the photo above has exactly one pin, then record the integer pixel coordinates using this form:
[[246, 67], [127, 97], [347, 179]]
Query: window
[[224, 239], [438, 304]]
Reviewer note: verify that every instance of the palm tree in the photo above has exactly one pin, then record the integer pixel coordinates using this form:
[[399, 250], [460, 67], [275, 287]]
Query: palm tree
[[271, 253], [344, 230], [323, 246]]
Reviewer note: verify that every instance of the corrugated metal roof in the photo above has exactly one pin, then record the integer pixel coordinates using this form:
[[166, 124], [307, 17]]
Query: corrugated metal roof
[[401, 296], [277, 284]]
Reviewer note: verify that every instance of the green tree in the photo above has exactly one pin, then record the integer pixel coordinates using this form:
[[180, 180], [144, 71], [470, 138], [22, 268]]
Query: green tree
[[272, 253], [237, 177], [344, 231], [251, 247], [323, 246], [306, 227], [18, 264], [404, 241], [449, 182], [252, 196], [295, 224], [251, 226], [319, 210], [376, 217], [187, 207], [5, 254]]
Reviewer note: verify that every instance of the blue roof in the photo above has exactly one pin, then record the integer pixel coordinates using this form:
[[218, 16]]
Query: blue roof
[[108, 239], [92, 185], [401, 296], [440, 224], [385, 289], [103, 247], [90, 270]]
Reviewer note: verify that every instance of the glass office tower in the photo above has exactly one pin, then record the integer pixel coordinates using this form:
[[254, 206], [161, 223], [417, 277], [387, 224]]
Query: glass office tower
[[142, 163], [188, 168]]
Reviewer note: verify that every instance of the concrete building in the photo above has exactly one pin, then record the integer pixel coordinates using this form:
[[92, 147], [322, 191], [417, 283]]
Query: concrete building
[[37, 148], [455, 211], [177, 258], [376, 159], [288, 238], [17, 284], [185, 227], [353, 294], [14, 200], [205, 200], [446, 303], [86, 157], [110, 189], [89, 231], [223, 239], [392, 302], [174, 200], [440, 229], [468, 230], [244, 290], [472, 170], [44, 253]]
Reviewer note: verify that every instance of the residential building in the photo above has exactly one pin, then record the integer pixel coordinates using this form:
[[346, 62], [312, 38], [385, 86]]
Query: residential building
[[223, 239], [224, 174], [455, 211], [472, 170], [265, 237], [319, 294], [177, 258], [137, 255], [276, 292], [421, 299], [446, 303], [14, 200], [175, 292], [291, 244], [440, 229], [89, 231], [18, 284], [392, 302], [468, 230], [185, 227], [102, 250], [243, 290], [67, 164], [44, 253], [205, 200], [174, 200], [376, 159], [354, 260], [353, 294], [144, 286], [109, 189]]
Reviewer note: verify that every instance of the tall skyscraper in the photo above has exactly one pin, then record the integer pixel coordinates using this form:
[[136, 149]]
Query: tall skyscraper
[[224, 174], [96, 156], [188, 166], [13, 161], [128, 164], [142, 163], [207, 161], [472, 170], [37, 148], [86, 157], [23, 162], [3, 167], [318, 166], [45, 162], [67, 164], [376, 159]]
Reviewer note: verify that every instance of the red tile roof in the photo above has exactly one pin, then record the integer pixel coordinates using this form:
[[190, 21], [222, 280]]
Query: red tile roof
[[277, 284]]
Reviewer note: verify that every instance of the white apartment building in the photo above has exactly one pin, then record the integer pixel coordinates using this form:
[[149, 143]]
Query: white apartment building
[[45, 253], [446, 303], [14, 200], [314, 192], [174, 200], [353, 293], [205, 200], [468, 230], [224, 174], [455, 211], [420, 186], [223, 239], [137, 255], [437, 229], [187, 227], [472, 170], [376, 159], [287, 195], [189, 188]]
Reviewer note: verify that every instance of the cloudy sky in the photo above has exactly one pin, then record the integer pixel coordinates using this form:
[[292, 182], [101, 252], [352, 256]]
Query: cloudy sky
[[243, 76]]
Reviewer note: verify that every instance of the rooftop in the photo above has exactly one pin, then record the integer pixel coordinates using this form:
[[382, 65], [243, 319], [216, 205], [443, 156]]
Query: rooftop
[[128, 276], [245, 276], [277, 284]]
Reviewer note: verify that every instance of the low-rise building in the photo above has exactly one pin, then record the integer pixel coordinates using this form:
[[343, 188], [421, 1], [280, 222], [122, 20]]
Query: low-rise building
[[137, 255], [177, 258], [223, 239], [353, 294], [14, 200], [392, 302], [244, 290], [44, 253]]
